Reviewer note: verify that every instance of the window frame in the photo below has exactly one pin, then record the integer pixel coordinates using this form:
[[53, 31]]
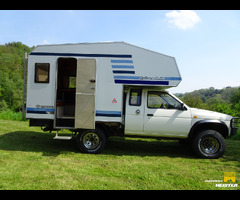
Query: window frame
[[37, 65]]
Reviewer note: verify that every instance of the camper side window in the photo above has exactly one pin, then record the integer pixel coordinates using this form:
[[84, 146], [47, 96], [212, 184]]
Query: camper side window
[[42, 72], [135, 97]]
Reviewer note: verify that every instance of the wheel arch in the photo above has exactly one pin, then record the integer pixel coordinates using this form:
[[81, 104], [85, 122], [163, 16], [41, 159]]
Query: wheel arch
[[103, 128], [201, 125]]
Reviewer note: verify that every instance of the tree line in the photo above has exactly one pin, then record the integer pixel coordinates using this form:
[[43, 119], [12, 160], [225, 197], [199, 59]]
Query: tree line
[[226, 100]]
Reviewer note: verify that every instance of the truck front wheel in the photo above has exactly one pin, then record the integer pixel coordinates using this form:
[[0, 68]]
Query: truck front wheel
[[209, 144], [91, 141]]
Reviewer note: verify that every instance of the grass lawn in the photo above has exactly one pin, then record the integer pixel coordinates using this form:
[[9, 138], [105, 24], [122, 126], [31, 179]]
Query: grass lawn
[[30, 159]]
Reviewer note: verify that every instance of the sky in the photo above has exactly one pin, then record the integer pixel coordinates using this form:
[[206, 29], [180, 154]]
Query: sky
[[205, 43]]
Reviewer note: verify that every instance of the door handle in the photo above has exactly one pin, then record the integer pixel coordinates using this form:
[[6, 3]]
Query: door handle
[[150, 115]]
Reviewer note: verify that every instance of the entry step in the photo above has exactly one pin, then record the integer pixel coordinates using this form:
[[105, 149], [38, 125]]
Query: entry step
[[62, 138], [57, 137]]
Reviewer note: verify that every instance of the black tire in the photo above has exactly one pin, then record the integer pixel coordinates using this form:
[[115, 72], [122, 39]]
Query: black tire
[[91, 141], [209, 144]]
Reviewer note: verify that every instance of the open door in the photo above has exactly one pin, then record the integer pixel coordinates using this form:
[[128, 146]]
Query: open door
[[85, 94]]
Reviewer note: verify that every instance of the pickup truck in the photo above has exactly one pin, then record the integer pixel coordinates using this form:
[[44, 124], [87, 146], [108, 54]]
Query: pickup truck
[[155, 113]]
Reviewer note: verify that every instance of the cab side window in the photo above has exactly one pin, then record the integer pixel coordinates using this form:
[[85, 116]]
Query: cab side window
[[155, 100], [162, 100], [135, 98]]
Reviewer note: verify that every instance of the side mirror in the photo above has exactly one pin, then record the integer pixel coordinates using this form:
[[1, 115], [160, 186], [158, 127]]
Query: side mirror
[[182, 107]]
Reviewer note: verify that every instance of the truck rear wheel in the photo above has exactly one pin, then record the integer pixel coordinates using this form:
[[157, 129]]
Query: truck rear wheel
[[91, 141], [209, 144]]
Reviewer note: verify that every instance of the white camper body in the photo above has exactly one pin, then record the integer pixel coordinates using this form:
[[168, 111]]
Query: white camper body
[[104, 89], [105, 68]]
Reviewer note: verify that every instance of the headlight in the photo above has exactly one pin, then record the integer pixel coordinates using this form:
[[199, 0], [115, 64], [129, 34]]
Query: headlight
[[234, 122]]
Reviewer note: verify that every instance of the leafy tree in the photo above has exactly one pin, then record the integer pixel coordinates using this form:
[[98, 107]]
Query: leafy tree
[[11, 75], [235, 100], [193, 100]]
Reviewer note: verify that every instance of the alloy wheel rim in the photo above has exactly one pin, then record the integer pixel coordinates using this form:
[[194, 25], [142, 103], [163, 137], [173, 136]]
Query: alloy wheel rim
[[209, 145], [91, 140]]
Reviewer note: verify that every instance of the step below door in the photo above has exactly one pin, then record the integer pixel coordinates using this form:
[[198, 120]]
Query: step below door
[[85, 94]]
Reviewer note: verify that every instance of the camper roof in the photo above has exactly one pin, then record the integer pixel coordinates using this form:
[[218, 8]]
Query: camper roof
[[94, 44], [129, 64]]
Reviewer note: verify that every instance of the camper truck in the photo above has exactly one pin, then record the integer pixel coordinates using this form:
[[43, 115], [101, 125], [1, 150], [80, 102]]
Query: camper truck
[[98, 90]]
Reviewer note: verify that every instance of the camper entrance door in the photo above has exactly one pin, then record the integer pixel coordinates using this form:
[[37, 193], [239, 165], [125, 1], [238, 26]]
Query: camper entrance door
[[75, 99]]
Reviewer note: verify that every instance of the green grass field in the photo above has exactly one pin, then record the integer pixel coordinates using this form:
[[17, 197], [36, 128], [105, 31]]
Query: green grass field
[[31, 159]]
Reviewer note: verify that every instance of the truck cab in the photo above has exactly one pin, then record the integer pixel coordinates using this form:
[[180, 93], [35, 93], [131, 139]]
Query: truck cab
[[159, 114], [156, 113]]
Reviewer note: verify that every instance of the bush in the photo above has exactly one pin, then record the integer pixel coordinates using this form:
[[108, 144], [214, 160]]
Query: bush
[[3, 106], [11, 115]]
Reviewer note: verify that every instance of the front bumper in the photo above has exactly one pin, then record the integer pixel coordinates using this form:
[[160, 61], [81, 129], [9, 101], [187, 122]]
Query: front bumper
[[234, 125]]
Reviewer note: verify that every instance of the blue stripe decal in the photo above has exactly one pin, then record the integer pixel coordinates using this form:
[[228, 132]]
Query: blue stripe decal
[[173, 78], [119, 67], [127, 77], [121, 61], [139, 78], [102, 113], [142, 82], [123, 66], [81, 54], [123, 72], [40, 110]]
